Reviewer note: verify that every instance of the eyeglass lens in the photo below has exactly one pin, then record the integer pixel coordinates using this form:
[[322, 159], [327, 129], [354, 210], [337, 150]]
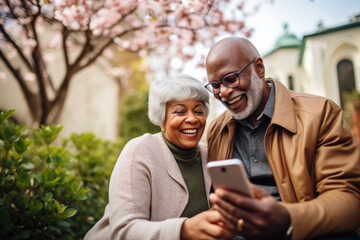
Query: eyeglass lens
[[229, 81]]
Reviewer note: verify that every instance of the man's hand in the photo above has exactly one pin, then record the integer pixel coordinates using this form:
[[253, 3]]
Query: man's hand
[[263, 217]]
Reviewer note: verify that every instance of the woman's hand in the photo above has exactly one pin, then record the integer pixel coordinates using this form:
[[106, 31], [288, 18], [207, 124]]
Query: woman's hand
[[205, 225]]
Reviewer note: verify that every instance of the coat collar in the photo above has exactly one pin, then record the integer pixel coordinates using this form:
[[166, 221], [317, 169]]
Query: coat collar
[[284, 113], [169, 161], [173, 168]]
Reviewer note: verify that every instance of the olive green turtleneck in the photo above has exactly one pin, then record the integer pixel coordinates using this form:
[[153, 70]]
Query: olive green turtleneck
[[190, 165]]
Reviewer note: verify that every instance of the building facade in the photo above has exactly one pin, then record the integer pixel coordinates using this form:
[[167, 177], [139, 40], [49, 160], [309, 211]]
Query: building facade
[[325, 63]]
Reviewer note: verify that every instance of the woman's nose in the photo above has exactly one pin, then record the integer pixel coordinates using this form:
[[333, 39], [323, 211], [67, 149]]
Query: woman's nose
[[191, 118]]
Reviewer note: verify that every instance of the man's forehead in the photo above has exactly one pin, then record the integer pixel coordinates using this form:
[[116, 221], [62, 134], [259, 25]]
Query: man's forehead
[[221, 51]]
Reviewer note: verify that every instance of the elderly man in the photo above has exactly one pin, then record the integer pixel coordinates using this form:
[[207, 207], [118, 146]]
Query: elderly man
[[295, 146]]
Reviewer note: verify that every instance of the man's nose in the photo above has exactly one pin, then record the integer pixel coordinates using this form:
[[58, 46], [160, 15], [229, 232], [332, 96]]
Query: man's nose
[[224, 91]]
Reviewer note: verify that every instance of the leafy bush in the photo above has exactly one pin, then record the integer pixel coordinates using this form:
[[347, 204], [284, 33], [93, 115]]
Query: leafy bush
[[50, 191], [95, 159], [351, 103]]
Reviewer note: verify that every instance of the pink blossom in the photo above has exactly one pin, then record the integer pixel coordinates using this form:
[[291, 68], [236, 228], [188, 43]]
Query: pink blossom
[[55, 41], [74, 14], [150, 27], [108, 53], [117, 71]]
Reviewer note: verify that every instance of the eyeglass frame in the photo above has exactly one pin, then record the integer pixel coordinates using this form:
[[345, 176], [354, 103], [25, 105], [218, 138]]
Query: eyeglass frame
[[227, 75]]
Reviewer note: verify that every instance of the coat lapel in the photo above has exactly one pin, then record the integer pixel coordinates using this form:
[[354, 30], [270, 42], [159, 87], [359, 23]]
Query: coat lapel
[[169, 161]]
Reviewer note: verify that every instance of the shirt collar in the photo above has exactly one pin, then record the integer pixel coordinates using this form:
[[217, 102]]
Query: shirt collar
[[269, 107]]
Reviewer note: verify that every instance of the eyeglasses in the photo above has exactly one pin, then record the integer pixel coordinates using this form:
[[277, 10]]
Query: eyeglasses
[[231, 80]]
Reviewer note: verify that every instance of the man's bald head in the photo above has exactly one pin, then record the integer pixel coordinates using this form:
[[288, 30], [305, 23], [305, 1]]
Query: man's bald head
[[231, 47], [237, 61]]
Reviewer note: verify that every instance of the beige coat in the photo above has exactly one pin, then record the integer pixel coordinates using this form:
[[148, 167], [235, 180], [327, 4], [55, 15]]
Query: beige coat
[[147, 193], [314, 159]]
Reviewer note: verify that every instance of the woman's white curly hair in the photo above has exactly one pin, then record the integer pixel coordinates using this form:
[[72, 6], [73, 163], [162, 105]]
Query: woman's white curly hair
[[178, 88]]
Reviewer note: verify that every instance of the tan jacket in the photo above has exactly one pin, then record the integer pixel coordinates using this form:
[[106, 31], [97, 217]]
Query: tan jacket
[[314, 159], [147, 193]]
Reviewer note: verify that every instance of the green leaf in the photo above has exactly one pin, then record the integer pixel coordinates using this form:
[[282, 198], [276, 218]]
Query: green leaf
[[21, 146], [75, 186], [57, 159], [59, 207], [35, 205], [50, 180], [68, 213], [49, 133], [80, 197], [6, 115], [52, 183], [23, 180]]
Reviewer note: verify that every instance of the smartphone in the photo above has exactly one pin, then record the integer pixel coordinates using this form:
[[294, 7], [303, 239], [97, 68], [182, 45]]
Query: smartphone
[[230, 174]]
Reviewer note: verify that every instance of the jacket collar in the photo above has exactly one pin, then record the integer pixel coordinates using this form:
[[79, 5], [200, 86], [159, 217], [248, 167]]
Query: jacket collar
[[284, 113]]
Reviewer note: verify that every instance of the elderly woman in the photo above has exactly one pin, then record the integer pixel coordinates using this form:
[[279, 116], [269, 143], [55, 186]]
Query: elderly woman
[[159, 186]]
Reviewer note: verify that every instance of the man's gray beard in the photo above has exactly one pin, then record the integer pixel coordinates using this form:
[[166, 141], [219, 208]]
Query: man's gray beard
[[253, 95]]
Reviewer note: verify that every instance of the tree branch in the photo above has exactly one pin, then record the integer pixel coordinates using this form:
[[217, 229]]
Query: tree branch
[[85, 50], [73, 68], [107, 44], [65, 33], [11, 9], [40, 70], [16, 73], [13, 43]]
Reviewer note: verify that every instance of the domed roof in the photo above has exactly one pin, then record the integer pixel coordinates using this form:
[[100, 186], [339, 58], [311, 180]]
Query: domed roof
[[287, 39]]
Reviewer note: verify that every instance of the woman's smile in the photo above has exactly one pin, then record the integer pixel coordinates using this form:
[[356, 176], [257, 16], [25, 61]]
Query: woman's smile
[[184, 123]]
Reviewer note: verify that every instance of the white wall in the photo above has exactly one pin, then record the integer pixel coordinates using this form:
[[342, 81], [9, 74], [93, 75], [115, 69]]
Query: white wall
[[91, 104], [318, 72], [281, 64]]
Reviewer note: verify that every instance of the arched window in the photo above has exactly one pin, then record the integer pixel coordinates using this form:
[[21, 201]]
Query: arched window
[[291, 82], [346, 78]]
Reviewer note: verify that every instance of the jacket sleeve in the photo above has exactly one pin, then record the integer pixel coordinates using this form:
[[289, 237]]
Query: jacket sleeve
[[336, 166], [127, 216]]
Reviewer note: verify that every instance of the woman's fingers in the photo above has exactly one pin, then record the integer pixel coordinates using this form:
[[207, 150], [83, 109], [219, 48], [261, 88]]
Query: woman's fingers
[[206, 225]]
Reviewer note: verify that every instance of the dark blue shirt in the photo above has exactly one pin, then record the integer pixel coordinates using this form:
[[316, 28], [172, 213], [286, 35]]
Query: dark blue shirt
[[249, 147]]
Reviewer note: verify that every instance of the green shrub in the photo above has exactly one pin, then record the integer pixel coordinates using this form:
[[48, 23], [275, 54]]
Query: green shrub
[[95, 159], [351, 103], [49, 191]]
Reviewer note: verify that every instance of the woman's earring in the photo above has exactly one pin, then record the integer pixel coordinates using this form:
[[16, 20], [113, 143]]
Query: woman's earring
[[163, 129]]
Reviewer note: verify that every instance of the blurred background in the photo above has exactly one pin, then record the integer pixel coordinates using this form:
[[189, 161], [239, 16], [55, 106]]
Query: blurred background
[[77, 75], [310, 46]]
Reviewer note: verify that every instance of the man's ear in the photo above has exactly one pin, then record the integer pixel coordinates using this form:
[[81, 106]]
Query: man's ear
[[259, 67]]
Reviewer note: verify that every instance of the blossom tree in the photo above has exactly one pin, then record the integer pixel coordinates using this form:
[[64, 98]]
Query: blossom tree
[[139, 26]]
